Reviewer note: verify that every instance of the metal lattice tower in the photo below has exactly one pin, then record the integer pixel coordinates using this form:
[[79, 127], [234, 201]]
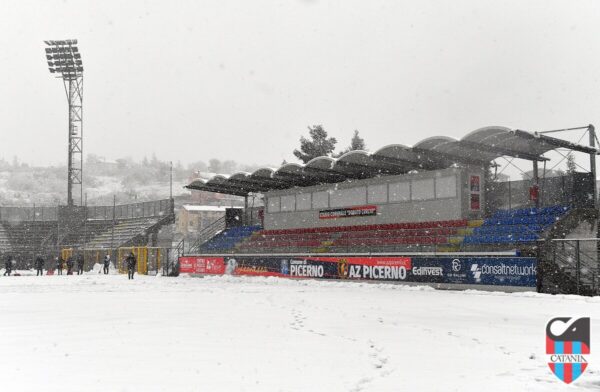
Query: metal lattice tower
[[64, 59]]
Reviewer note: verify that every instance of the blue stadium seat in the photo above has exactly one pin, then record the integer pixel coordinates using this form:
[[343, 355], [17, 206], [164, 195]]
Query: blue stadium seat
[[227, 239], [523, 225]]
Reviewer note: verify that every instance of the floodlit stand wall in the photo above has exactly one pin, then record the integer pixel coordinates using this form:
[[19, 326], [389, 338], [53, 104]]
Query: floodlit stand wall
[[417, 197]]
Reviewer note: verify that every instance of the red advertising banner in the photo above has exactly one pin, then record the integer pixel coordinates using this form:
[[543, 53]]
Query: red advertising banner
[[348, 212], [202, 265]]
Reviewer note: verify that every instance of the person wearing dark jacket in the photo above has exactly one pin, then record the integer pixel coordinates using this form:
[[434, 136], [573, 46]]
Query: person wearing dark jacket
[[80, 262], [39, 266], [130, 265], [8, 266], [106, 263], [70, 265], [59, 265]]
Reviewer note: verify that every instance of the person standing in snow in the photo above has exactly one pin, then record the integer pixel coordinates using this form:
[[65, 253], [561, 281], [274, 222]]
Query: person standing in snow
[[130, 265], [59, 264], [106, 263], [70, 265], [39, 266], [80, 262], [8, 265]]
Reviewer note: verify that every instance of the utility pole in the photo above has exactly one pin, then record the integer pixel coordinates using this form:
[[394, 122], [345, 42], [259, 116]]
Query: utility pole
[[592, 135], [112, 235], [85, 218]]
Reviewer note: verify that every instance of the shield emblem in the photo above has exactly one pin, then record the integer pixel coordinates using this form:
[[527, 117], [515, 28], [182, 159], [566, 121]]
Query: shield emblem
[[567, 344]]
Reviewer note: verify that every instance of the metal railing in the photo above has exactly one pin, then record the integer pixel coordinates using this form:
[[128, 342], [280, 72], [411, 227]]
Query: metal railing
[[207, 233], [149, 209]]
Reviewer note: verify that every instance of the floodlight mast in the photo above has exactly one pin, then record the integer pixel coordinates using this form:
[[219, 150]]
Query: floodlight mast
[[64, 59]]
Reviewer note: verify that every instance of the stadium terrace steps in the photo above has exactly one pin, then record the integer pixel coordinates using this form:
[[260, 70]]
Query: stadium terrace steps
[[26, 237], [4, 239], [126, 231]]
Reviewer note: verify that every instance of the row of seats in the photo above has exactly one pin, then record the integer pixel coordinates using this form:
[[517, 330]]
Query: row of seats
[[356, 234], [385, 226], [508, 229], [501, 239], [552, 210], [401, 232], [280, 244], [523, 220], [421, 240]]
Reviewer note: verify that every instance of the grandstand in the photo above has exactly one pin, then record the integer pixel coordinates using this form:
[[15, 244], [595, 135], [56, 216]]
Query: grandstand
[[435, 204], [28, 231]]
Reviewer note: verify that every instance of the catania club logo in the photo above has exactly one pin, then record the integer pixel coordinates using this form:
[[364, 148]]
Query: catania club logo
[[567, 344]]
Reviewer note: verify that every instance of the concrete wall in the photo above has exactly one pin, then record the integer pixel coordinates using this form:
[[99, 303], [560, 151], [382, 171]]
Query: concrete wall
[[440, 204]]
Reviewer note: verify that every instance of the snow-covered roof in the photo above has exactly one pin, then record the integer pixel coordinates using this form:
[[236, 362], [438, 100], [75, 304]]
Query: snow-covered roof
[[196, 208], [479, 147]]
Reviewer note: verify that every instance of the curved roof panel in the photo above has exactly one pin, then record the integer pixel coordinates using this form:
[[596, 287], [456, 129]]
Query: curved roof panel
[[478, 147], [322, 163]]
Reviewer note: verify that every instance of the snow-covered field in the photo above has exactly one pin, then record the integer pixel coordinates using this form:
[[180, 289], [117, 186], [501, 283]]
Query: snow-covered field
[[105, 333]]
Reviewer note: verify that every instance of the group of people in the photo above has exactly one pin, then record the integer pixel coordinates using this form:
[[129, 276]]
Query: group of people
[[78, 261], [60, 264]]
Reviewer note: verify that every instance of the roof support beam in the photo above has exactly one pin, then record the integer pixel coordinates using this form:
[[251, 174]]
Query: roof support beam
[[557, 143], [217, 189], [503, 151]]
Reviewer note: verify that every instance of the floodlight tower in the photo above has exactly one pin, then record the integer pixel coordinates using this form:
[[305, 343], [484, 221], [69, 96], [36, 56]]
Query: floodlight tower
[[64, 60]]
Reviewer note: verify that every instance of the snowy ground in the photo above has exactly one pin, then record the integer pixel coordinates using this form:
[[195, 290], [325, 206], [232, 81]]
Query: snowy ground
[[105, 333]]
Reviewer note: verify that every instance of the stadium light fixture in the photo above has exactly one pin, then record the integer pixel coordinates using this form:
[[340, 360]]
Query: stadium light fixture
[[64, 60]]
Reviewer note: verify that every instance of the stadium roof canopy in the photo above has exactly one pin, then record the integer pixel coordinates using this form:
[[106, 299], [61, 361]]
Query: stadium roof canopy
[[479, 147]]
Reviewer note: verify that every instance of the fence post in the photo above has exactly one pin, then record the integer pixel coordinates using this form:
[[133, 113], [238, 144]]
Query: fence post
[[578, 264], [509, 196]]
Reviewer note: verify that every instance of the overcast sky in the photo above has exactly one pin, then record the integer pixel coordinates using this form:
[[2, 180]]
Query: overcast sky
[[192, 80]]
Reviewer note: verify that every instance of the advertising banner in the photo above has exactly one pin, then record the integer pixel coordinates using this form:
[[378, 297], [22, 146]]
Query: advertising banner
[[202, 265], [348, 212], [503, 271]]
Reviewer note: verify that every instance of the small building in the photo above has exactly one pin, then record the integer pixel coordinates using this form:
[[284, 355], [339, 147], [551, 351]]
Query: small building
[[194, 218]]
